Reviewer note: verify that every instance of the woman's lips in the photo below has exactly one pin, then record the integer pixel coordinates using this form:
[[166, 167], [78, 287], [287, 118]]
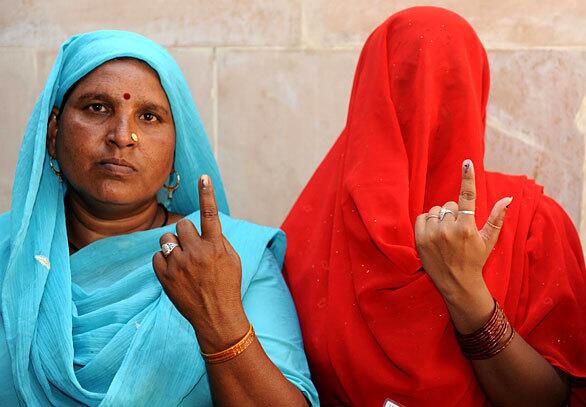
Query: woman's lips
[[117, 166]]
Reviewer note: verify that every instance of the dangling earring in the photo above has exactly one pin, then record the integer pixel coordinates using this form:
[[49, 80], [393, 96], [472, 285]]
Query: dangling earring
[[57, 172], [172, 188]]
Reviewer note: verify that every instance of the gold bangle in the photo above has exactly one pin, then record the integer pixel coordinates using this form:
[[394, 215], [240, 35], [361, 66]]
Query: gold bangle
[[232, 351]]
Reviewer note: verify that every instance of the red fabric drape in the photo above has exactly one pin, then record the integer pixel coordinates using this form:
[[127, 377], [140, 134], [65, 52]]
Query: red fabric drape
[[374, 326]]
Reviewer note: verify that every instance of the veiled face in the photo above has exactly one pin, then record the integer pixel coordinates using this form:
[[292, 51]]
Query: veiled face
[[92, 139]]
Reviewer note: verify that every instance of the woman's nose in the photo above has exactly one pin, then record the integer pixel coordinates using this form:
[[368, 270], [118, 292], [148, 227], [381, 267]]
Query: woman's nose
[[122, 134]]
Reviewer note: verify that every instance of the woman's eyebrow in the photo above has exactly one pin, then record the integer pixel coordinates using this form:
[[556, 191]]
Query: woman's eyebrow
[[92, 95], [156, 107]]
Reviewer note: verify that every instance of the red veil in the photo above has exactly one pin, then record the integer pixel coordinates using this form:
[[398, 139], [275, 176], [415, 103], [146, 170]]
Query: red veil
[[374, 325]]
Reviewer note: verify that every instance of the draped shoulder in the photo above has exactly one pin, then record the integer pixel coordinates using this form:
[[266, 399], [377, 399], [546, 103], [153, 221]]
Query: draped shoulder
[[556, 320]]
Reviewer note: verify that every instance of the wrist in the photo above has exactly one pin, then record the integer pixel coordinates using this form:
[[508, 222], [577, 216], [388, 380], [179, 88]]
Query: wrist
[[470, 310], [214, 334]]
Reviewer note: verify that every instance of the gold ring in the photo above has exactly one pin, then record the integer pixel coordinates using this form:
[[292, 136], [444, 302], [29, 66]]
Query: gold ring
[[493, 225]]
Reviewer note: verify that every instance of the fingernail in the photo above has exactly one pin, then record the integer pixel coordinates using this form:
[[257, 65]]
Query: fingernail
[[205, 181], [467, 165], [510, 198]]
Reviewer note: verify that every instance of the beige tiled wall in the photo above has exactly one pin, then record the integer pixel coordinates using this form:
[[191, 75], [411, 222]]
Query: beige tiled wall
[[272, 79]]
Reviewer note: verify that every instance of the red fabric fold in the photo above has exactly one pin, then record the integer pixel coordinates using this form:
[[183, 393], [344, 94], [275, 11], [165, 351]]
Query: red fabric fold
[[374, 325]]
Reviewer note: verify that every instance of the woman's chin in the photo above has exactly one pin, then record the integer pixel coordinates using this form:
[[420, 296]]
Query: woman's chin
[[119, 194]]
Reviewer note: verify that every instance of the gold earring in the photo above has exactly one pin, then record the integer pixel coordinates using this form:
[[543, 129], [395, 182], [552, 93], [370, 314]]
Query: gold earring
[[57, 172], [172, 188], [134, 137]]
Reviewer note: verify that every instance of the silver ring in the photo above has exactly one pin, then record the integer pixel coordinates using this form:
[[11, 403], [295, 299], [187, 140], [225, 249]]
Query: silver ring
[[466, 213], [167, 248], [443, 212]]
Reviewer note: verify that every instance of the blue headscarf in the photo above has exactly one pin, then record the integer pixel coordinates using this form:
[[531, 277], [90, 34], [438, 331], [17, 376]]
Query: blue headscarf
[[96, 327]]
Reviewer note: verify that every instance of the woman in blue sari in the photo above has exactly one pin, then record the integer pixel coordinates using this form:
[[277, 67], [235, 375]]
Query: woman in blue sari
[[115, 288]]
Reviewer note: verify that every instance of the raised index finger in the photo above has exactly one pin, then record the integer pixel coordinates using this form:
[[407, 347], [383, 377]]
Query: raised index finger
[[211, 229], [467, 200]]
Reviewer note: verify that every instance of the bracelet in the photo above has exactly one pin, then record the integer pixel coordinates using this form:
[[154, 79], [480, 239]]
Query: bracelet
[[490, 339], [232, 351]]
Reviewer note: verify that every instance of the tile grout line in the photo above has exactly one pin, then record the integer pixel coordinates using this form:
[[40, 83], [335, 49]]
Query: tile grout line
[[215, 100], [582, 229], [580, 121], [303, 21]]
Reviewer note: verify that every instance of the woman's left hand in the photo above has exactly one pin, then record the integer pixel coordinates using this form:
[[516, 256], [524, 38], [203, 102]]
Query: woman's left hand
[[453, 252], [202, 276]]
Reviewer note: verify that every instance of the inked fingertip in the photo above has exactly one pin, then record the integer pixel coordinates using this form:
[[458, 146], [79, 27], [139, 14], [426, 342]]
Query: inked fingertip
[[205, 181], [509, 200], [467, 165]]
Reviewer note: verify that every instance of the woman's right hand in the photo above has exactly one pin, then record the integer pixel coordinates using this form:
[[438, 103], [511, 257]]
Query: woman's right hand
[[453, 252], [202, 277]]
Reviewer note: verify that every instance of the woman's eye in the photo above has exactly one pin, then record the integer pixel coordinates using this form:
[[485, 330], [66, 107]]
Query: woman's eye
[[97, 108], [149, 117]]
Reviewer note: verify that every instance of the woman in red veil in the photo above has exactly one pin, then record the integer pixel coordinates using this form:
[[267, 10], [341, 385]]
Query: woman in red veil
[[402, 245]]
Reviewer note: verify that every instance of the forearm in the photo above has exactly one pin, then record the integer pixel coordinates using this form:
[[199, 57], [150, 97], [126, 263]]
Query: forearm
[[518, 375], [252, 379], [249, 378]]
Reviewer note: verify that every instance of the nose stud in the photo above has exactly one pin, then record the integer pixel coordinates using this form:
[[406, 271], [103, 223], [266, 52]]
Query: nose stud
[[134, 137]]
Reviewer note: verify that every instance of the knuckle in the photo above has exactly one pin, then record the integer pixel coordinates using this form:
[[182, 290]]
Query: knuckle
[[167, 237], [433, 235], [236, 260], [176, 260], [196, 257], [183, 224], [466, 232], [217, 249], [445, 234], [468, 195], [208, 212]]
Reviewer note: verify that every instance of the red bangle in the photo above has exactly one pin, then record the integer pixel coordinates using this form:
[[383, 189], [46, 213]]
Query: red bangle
[[490, 339]]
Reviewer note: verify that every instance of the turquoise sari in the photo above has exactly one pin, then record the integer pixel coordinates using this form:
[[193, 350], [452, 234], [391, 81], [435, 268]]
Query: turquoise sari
[[96, 328]]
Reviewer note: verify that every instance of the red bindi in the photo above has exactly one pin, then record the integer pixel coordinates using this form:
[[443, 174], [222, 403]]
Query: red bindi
[[127, 96]]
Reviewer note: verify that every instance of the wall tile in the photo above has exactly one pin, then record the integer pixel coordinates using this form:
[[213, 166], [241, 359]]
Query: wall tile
[[17, 98], [499, 24], [531, 125], [169, 22], [279, 113], [198, 67]]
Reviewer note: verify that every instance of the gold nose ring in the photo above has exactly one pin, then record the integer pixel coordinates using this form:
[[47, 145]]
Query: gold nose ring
[[134, 137]]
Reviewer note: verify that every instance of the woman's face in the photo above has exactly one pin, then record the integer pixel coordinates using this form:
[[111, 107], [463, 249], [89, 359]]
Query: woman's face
[[92, 139]]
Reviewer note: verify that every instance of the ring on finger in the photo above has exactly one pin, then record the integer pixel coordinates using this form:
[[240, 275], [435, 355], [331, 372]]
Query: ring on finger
[[466, 213], [428, 217], [443, 212], [493, 225], [167, 248]]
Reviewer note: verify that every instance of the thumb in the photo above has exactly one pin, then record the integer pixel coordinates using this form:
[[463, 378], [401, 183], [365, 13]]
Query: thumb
[[492, 229]]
